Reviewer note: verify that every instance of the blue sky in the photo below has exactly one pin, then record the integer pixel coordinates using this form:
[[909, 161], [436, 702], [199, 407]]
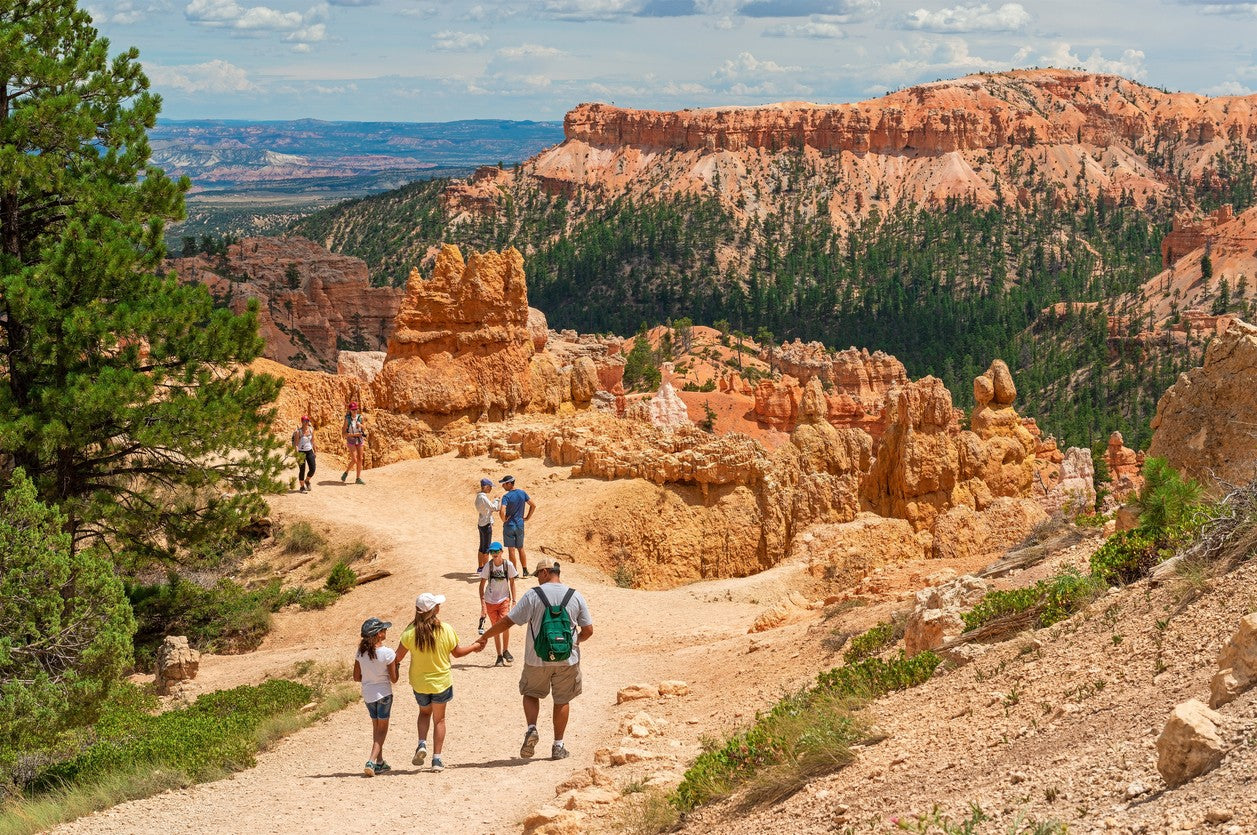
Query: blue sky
[[419, 60]]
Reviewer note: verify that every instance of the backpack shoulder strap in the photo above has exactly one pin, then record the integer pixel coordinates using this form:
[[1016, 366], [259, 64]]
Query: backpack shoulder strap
[[567, 597], [544, 601]]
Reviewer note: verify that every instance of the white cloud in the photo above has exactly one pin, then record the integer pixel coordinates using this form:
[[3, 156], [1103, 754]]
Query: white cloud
[[819, 27], [228, 14], [590, 9], [215, 76], [1010, 17], [1228, 88], [1130, 65], [747, 65], [924, 57], [308, 34], [125, 12], [1229, 8], [449, 40], [528, 51]]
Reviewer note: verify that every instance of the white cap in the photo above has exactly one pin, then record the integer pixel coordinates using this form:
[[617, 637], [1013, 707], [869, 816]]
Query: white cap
[[427, 602]]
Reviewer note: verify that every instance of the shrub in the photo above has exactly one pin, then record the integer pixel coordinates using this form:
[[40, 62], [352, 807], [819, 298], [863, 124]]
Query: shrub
[[1125, 557], [225, 617], [301, 538], [872, 642], [874, 677], [318, 599], [1167, 501], [65, 628], [1053, 600], [215, 732], [342, 578]]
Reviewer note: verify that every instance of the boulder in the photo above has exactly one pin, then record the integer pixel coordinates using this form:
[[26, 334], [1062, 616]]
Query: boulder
[[634, 692], [177, 662], [936, 615], [673, 687], [1237, 664], [551, 820], [623, 756], [1189, 744]]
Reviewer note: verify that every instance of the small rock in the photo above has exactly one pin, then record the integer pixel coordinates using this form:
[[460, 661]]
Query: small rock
[[1016, 777], [309, 706], [674, 688], [1189, 744], [1134, 790], [622, 756], [636, 691], [1219, 814], [587, 797], [549, 820]]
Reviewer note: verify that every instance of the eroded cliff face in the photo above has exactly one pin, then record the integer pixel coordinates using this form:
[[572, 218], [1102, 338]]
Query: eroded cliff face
[[1204, 422], [312, 303], [969, 139]]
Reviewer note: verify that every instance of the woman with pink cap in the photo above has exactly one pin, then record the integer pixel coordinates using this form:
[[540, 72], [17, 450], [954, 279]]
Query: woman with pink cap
[[355, 432], [303, 443], [431, 644]]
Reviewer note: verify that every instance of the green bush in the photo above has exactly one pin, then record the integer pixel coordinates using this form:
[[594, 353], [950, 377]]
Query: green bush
[[1055, 599], [1167, 501], [1125, 557], [342, 578], [65, 629], [871, 642], [318, 599], [804, 735], [215, 732]]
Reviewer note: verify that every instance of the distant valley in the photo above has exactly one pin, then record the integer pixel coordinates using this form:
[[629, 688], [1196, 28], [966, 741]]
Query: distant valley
[[255, 177]]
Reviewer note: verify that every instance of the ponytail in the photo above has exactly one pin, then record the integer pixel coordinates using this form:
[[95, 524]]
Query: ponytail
[[366, 646]]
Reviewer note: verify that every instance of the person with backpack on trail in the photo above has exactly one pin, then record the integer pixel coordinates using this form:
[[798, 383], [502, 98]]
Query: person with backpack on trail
[[514, 516], [432, 644], [374, 667], [305, 447], [558, 622], [497, 595], [355, 432]]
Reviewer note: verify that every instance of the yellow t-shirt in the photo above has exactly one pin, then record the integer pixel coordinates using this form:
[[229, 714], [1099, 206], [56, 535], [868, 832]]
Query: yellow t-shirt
[[430, 668]]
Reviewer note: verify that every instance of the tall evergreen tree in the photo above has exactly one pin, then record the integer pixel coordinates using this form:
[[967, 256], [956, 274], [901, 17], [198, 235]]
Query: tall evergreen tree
[[119, 393]]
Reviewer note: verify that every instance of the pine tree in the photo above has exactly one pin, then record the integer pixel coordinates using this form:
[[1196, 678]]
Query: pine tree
[[119, 389]]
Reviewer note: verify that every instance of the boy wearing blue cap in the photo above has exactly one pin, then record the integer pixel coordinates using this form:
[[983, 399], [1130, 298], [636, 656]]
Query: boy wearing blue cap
[[497, 595], [485, 508]]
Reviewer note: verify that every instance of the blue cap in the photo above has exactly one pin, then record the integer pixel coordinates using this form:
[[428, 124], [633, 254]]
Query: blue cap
[[495, 547], [486, 482]]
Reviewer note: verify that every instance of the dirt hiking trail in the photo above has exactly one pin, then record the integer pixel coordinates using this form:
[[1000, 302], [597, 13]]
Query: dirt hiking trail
[[419, 516]]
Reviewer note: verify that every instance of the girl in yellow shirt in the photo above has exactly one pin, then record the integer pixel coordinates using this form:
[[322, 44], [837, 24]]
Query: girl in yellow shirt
[[431, 644]]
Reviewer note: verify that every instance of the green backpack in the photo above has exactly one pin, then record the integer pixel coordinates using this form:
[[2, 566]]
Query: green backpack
[[553, 641]]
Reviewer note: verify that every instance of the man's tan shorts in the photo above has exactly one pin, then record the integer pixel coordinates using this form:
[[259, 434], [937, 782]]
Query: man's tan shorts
[[538, 682]]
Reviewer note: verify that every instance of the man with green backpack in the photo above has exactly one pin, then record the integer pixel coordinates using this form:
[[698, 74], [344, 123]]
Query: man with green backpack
[[558, 622]]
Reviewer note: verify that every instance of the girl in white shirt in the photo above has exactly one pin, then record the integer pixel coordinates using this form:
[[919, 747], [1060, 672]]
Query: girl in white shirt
[[375, 666]]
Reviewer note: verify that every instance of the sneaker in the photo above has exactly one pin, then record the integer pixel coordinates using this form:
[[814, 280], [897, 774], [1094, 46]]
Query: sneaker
[[501, 662], [382, 767], [558, 752], [437, 764], [507, 657], [530, 743], [344, 475], [302, 488], [480, 626], [359, 481], [368, 770], [420, 753], [309, 487]]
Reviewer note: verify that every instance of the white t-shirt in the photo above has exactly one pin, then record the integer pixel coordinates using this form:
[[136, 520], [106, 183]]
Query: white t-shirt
[[499, 587], [485, 508], [529, 610], [375, 681]]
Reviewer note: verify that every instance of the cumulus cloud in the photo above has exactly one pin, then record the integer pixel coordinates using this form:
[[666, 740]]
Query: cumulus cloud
[[923, 57], [591, 9], [215, 76], [1228, 88], [1130, 65], [747, 65], [668, 8], [1010, 17], [125, 12], [448, 40], [299, 28], [1243, 8], [820, 27], [850, 9], [308, 34], [528, 51]]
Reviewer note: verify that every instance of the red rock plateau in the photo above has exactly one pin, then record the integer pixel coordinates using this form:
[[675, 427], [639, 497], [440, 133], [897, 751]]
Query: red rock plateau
[[971, 138], [312, 303]]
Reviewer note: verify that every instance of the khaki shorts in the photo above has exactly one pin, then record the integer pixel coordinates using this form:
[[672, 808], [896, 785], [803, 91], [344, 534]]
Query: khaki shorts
[[538, 682]]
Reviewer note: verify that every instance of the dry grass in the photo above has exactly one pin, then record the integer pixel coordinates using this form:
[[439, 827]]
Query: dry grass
[[646, 812]]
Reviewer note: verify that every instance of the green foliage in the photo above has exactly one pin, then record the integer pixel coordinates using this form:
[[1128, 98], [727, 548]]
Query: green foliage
[[225, 617], [215, 732], [65, 628], [113, 395], [640, 371], [1125, 557], [1167, 501], [803, 735], [708, 423], [872, 642], [342, 578], [1052, 600]]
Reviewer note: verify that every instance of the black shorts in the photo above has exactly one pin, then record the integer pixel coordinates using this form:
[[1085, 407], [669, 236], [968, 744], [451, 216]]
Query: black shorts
[[486, 537]]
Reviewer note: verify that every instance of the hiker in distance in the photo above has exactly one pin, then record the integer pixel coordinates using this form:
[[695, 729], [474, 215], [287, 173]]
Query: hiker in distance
[[513, 518], [305, 447], [485, 508], [558, 622], [355, 432]]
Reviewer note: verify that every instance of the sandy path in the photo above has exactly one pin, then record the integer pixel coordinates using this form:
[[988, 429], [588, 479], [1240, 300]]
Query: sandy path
[[419, 515]]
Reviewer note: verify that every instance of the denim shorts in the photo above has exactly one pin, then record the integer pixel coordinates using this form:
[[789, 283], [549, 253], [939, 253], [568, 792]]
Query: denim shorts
[[513, 537], [425, 699], [381, 709]]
